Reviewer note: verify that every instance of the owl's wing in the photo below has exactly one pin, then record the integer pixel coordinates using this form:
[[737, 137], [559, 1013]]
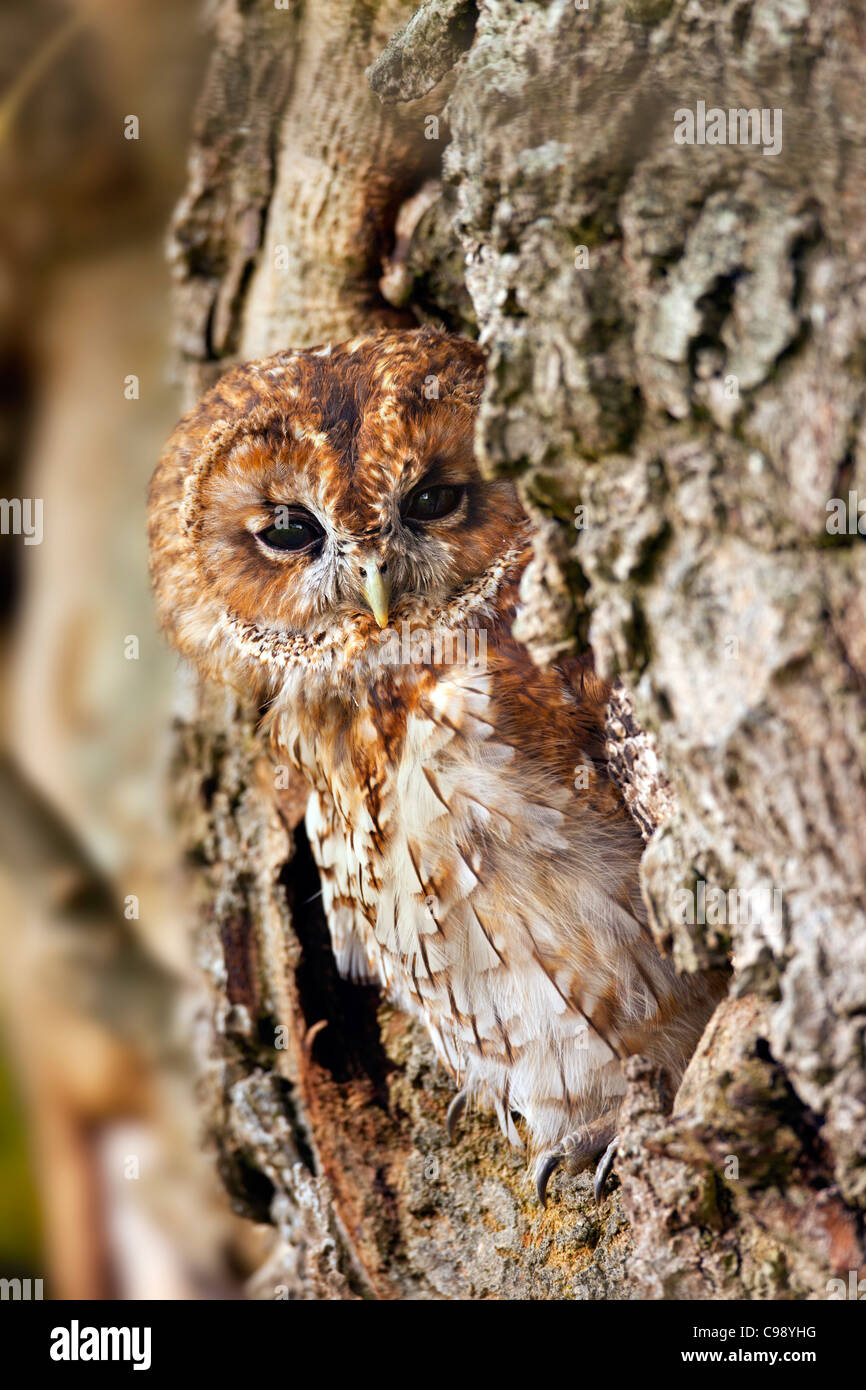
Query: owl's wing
[[512, 915]]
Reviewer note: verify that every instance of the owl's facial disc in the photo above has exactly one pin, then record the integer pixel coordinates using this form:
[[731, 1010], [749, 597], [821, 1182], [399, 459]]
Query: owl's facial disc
[[305, 536], [315, 496]]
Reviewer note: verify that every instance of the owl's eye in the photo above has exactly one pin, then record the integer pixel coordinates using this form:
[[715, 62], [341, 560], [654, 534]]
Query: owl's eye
[[430, 503], [296, 531]]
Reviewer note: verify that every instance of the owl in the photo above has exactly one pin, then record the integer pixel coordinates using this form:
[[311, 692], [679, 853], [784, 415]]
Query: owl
[[322, 537]]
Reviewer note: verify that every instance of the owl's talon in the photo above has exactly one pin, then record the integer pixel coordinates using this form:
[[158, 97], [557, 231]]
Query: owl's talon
[[545, 1167], [602, 1172], [577, 1150], [455, 1110]]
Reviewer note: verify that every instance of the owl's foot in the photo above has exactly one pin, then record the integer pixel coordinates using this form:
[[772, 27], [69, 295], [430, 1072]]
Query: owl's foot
[[576, 1151]]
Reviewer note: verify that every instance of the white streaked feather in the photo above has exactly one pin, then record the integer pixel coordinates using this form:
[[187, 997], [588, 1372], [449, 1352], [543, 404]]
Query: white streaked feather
[[457, 808]]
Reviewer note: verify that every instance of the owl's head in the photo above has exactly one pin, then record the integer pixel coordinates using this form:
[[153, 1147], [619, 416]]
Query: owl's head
[[315, 497]]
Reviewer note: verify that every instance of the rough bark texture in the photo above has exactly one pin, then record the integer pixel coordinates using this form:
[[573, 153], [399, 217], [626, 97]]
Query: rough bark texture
[[693, 380]]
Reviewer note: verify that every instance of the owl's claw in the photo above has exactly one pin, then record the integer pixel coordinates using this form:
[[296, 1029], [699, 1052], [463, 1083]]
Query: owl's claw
[[602, 1172], [544, 1170], [455, 1110], [576, 1151]]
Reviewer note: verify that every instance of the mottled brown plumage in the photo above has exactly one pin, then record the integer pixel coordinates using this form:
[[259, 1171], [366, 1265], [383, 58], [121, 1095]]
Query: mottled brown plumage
[[321, 536]]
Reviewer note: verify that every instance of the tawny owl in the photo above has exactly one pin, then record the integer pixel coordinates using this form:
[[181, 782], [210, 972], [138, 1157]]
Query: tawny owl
[[321, 535]]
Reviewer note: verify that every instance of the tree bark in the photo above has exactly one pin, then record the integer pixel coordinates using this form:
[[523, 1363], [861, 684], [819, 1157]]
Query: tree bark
[[676, 338]]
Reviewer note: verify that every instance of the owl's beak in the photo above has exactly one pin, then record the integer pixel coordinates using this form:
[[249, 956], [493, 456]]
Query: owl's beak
[[376, 589]]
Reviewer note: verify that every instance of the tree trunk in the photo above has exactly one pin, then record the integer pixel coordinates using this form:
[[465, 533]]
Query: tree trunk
[[676, 336]]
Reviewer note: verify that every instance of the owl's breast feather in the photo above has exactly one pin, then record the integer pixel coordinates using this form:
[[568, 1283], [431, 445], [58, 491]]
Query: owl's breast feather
[[484, 894]]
